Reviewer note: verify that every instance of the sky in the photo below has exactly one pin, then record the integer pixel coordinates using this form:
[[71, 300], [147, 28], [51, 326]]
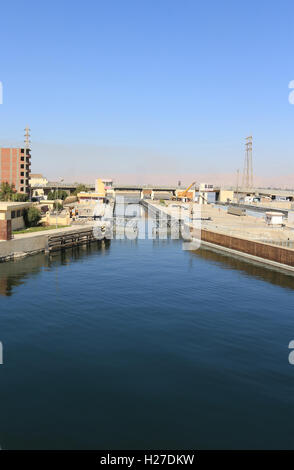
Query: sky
[[149, 90]]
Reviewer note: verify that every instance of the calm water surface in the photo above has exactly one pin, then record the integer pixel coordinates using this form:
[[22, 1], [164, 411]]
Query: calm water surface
[[144, 345]]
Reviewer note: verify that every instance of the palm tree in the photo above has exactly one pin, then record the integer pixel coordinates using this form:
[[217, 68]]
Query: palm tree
[[6, 191]]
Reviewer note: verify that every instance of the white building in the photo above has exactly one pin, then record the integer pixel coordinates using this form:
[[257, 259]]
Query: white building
[[274, 218]]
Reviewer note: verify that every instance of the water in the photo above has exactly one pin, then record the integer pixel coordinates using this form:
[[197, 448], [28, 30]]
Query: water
[[144, 345]]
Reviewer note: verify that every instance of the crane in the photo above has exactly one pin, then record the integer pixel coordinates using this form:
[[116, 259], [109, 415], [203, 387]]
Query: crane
[[184, 194]]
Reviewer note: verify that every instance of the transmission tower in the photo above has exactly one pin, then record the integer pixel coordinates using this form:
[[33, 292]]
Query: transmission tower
[[247, 180], [27, 136]]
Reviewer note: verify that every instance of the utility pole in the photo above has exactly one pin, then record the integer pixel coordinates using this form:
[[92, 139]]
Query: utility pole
[[247, 181], [237, 187]]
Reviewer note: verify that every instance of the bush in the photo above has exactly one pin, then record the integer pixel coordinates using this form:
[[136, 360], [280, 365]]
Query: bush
[[80, 188], [57, 206], [32, 216], [19, 197], [59, 194]]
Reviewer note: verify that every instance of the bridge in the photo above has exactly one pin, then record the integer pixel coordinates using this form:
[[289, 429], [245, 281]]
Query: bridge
[[273, 193], [71, 187]]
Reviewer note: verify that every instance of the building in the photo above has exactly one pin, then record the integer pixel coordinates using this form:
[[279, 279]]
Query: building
[[36, 179], [37, 183], [92, 197], [274, 218], [88, 198], [224, 195], [100, 187], [12, 218], [15, 168], [108, 183]]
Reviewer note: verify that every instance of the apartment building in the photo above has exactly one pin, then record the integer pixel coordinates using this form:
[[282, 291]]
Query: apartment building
[[15, 168]]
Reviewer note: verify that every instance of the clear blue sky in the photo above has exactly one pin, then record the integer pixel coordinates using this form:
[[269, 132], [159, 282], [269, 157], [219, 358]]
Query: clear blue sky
[[149, 85]]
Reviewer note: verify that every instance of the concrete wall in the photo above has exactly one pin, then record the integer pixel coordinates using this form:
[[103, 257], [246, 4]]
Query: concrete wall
[[291, 217], [224, 195], [23, 245], [20, 247], [18, 223], [262, 250], [61, 220]]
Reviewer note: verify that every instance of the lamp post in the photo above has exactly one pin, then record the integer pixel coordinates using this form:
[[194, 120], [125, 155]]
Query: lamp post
[[56, 200]]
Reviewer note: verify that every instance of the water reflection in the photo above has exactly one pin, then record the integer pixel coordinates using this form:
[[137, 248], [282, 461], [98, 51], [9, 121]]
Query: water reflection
[[15, 273], [250, 268]]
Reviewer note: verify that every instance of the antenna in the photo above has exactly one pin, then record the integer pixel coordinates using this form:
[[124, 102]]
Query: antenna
[[27, 136], [247, 181]]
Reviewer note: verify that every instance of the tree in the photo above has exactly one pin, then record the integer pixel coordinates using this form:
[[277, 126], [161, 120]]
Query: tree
[[32, 216], [19, 197], [50, 196], [62, 194], [6, 191], [57, 194], [57, 206], [80, 188]]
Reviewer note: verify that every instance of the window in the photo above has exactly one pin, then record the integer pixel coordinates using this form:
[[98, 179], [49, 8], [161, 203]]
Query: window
[[22, 166], [21, 190], [13, 214], [18, 214], [22, 173], [21, 150], [21, 181], [27, 151], [22, 159]]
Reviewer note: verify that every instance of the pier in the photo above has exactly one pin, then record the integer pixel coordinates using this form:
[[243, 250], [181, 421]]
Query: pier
[[69, 240]]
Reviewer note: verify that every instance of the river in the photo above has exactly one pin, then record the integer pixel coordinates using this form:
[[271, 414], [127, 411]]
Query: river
[[140, 344]]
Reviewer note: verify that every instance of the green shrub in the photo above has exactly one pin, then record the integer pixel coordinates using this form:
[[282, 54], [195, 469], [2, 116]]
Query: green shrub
[[80, 188], [19, 197], [32, 216], [57, 206], [58, 194]]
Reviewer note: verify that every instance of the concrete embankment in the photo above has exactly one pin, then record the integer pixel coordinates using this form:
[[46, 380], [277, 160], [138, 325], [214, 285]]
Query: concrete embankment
[[215, 234], [255, 207], [275, 256], [31, 243]]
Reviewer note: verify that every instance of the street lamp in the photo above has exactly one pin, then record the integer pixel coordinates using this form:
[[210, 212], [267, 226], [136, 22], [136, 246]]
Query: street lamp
[[56, 200]]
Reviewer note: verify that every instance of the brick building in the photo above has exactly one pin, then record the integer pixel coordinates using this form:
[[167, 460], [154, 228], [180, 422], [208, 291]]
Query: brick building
[[15, 168]]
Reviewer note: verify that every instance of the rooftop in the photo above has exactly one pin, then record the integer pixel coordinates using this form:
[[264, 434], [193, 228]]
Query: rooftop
[[7, 206]]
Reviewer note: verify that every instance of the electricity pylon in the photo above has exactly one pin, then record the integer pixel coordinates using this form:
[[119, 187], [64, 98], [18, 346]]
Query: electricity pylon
[[247, 180]]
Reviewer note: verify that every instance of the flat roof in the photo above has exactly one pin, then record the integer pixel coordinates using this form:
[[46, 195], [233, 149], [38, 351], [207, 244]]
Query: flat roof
[[272, 214], [7, 206]]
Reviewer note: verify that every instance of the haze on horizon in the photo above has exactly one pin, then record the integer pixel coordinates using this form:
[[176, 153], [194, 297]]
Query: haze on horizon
[[152, 91]]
